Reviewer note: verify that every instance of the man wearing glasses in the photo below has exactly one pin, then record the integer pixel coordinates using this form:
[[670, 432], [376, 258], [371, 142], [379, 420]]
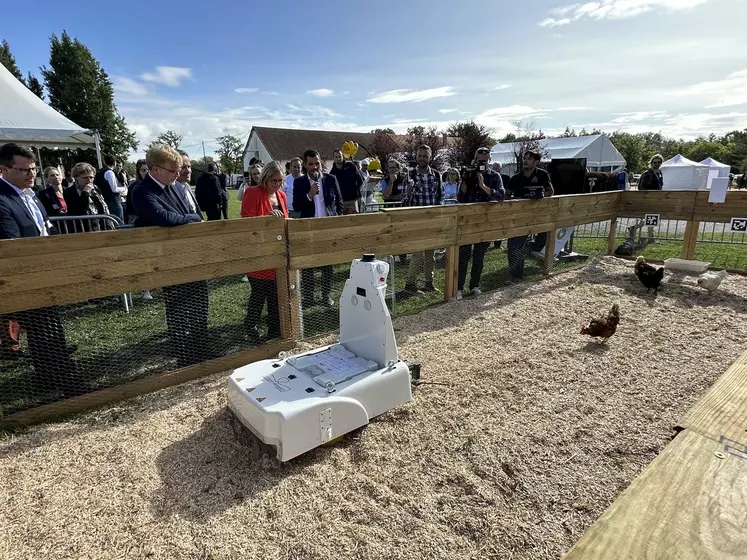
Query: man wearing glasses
[[23, 215], [157, 203]]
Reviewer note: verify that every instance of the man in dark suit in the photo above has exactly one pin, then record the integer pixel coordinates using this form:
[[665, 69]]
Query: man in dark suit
[[316, 195], [23, 215], [158, 203], [223, 179], [209, 194]]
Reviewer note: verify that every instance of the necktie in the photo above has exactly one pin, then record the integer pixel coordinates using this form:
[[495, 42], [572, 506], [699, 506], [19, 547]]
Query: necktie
[[36, 213]]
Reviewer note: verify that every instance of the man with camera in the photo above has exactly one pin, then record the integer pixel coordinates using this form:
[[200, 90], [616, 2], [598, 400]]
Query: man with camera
[[479, 184], [531, 183]]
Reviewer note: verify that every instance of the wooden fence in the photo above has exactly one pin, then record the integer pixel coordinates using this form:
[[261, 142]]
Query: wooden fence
[[38, 272]]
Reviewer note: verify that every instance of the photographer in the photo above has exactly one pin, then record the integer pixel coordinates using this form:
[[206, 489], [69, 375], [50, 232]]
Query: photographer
[[479, 184]]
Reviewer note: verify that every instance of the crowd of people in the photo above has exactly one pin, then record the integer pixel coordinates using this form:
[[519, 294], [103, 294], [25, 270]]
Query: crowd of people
[[161, 196]]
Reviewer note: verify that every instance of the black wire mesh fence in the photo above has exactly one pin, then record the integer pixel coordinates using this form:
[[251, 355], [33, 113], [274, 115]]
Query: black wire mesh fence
[[54, 353]]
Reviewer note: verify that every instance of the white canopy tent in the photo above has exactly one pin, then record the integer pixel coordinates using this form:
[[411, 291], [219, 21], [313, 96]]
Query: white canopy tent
[[598, 150], [27, 120], [681, 173], [716, 169]]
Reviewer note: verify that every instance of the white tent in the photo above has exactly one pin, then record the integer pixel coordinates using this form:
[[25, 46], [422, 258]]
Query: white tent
[[598, 150], [26, 119], [681, 173], [716, 169]]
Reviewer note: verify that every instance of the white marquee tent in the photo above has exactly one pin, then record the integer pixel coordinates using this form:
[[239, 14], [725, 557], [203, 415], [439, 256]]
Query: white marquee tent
[[716, 169], [26, 119], [598, 150], [681, 173]]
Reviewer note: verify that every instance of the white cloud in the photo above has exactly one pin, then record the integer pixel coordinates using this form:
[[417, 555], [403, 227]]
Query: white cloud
[[321, 92], [638, 116], [728, 92], [168, 75], [411, 95], [573, 109], [246, 90], [503, 86], [503, 119], [445, 111], [613, 9], [128, 86]]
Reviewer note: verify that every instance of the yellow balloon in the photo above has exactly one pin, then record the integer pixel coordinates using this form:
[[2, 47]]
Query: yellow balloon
[[349, 149], [374, 164]]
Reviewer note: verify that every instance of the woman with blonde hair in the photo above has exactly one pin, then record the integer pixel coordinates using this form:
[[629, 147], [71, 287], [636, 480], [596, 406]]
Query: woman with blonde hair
[[451, 186], [251, 181], [52, 197], [265, 199], [84, 198]]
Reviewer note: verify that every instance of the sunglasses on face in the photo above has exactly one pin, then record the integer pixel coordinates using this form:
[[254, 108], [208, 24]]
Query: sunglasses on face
[[482, 151]]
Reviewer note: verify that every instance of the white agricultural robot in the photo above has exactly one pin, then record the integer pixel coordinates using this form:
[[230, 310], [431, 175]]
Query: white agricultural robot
[[303, 401]]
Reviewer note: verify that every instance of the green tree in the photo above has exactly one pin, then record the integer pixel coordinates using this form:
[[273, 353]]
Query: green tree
[[9, 61], [568, 133], [464, 140], [230, 153], [168, 138], [79, 88], [382, 131], [418, 136], [33, 83], [202, 163]]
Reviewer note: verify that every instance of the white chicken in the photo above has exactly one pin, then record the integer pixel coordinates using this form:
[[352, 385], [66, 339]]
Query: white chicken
[[711, 280]]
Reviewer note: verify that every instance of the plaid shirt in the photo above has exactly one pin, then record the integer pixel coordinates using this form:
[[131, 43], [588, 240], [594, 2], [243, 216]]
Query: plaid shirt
[[427, 189]]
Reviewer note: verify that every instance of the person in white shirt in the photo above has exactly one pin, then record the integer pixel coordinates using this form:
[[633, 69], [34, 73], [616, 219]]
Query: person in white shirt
[[295, 173], [181, 185], [108, 185]]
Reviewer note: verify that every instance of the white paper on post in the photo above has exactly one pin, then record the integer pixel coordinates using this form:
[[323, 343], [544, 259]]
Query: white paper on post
[[719, 186]]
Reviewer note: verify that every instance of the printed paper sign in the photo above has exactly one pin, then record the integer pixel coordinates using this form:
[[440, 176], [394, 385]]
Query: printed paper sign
[[738, 225]]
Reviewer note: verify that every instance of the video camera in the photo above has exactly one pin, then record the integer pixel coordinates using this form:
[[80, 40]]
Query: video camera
[[469, 172]]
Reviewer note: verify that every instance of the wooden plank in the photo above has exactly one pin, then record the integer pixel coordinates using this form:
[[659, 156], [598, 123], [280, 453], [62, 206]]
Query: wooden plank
[[688, 504], [33, 299], [109, 395], [299, 225], [251, 255], [467, 236], [451, 272], [68, 259], [735, 206], [549, 252], [97, 240], [722, 411], [674, 205], [611, 237], [690, 240]]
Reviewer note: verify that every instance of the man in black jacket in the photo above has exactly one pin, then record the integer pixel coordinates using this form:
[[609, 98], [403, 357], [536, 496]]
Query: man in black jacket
[[316, 195], [158, 204], [350, 181], [209, 193], [23, 215], [223, 179]]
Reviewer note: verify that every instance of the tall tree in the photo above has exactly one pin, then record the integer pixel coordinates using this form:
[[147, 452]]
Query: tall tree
[[230, 153], [569, 133], [527, 138], [418, 136], [168, 138], [79, 88], [33, 83], [9, 61], [386, 146], [464, 140]]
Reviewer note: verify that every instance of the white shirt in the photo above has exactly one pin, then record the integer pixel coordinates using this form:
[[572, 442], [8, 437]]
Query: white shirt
[[187, 195], [289, 190], [320, 210], [28, 199], [110, 178]]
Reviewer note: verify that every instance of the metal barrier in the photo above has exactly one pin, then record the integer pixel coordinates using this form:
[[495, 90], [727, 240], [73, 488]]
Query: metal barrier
[[82, 224]]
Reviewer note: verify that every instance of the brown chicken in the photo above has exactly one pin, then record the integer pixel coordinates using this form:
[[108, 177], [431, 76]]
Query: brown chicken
[[603, 327]]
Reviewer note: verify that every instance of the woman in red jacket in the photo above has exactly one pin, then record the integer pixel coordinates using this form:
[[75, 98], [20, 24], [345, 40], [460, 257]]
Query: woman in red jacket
[[266, 199]]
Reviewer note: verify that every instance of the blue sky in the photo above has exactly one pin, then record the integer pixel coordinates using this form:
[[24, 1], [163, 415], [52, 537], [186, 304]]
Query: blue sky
[[206, 69]]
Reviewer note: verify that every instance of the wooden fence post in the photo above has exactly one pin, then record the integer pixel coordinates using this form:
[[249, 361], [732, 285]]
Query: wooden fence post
[[611, 238], [451, 272], [690, 240], [549, 252]]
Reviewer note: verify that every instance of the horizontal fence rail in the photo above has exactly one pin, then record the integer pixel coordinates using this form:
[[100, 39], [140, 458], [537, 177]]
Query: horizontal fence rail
[[72, 272]]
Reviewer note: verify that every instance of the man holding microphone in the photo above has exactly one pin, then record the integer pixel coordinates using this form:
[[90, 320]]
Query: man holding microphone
[[316, 195]]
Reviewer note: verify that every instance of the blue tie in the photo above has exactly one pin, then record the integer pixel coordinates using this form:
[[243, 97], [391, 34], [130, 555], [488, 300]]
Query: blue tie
[[34, 209]]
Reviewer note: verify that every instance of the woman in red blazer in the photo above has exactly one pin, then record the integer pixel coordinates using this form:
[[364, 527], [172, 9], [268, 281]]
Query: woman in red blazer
[[266, 199]]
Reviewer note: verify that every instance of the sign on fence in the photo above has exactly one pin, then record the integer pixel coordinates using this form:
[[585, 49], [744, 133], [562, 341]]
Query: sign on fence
[[738, 225], [562, 235], [652, 220]]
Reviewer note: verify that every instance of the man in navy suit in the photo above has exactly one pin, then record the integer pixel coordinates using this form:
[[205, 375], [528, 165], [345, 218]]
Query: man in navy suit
[[316, 195], [22, 215], [158, 203]]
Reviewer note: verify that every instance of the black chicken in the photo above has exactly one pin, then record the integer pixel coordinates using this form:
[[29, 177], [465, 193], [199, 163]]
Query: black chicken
[[650, 276]]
